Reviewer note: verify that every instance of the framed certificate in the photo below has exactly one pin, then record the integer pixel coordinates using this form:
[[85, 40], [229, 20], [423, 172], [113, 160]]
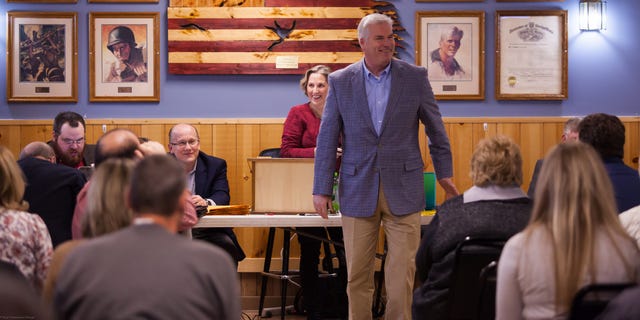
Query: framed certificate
[[450, 44], [531, 55]]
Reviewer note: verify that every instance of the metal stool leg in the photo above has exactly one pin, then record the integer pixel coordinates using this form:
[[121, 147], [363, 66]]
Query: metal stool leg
[[266, 268], [285, 272]]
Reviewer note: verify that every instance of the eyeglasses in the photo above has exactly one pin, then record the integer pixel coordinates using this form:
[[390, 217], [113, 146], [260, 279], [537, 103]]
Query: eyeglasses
[[69, 142], [183, 144]]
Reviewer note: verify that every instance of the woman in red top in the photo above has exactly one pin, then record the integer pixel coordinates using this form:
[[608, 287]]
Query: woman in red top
[[299, 141]]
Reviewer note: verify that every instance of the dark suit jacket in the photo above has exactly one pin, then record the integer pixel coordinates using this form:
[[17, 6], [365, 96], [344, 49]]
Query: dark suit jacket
[[211, 179], [534, 179], [211, 183], [51, 192], [626, 183]]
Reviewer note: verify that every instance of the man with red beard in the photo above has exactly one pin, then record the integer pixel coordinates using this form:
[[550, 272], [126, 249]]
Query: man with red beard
[[68, 140]]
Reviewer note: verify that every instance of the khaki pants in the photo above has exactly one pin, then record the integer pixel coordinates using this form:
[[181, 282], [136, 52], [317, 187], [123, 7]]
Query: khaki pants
[[361, 238]]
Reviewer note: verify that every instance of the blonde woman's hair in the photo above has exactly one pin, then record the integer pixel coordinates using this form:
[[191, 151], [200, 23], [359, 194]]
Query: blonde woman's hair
[[319, 69], [496, 161], [12, 182], [574, 200], [107, 210]]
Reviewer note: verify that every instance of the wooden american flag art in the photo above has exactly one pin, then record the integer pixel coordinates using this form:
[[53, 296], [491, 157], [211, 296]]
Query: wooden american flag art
[[266, 36]]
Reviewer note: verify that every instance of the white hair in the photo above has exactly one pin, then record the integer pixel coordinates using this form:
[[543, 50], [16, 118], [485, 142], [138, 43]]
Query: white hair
[[374, 18]]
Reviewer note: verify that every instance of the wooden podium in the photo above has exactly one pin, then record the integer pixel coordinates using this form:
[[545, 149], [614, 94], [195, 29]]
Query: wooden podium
[[282, 185]]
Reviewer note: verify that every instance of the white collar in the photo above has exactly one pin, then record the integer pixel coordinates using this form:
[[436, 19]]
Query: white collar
[[492, 192]]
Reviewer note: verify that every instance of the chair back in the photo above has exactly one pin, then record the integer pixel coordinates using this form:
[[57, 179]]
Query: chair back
[[592, 299], [487, 292], [271, 152], [471, 256]]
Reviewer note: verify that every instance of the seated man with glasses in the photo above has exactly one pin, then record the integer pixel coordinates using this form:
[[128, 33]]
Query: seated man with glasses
[[207, 180], [69, 142]]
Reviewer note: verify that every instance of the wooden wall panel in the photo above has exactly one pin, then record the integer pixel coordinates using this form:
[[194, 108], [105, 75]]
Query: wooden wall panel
[[10, 138], [461, 136], [155, 132], [631, 149], [35, 133], [531, 142]]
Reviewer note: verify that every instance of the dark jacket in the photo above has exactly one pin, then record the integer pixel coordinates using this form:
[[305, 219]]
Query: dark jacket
[[453, 222], [51, 192]]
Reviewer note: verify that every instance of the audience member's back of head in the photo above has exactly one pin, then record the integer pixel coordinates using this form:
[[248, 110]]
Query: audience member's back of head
[[18, 300], [604, 132], [37, 149], [496, 161], [106, 207], [117, 143], [157, 184], [12, 182], [574, 201]]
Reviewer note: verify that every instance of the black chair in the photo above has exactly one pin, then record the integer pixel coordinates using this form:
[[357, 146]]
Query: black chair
[[271, 152], [592, 299], [471, 256], [487, 292]]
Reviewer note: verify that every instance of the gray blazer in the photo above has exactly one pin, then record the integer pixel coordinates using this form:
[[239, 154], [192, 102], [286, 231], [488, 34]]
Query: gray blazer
[[392, 158]]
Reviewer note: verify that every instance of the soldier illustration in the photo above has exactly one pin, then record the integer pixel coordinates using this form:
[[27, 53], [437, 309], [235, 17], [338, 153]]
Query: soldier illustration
[[129, 65]]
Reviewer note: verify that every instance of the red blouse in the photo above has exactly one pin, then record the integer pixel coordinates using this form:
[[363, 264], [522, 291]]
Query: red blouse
[[299, 133]]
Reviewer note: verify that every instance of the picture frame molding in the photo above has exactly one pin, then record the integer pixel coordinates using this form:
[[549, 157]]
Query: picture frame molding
[[475, 88], [505, 79], [99, 91], [449, 0], [42, 91]]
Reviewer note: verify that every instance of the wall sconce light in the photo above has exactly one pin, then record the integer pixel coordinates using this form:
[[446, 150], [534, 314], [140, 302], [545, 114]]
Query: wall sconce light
[[593, 15]]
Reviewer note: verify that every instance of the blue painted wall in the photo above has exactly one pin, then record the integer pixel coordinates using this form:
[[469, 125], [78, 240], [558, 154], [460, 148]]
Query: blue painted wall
[[603, 71]]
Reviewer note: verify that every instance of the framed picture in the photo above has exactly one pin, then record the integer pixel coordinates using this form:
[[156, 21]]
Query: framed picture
[[43, 1], [531, 55], [123, 1], [450, 44], [124, 56], [449, 0], [42, 64]]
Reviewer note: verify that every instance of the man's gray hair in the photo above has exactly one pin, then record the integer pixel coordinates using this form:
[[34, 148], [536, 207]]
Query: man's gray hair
[[37, 149], [571, 125], [374, 18]]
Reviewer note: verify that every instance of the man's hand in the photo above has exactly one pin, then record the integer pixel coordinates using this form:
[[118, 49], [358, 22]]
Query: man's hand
[[322, 204], [198, 201], [450, 189]]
